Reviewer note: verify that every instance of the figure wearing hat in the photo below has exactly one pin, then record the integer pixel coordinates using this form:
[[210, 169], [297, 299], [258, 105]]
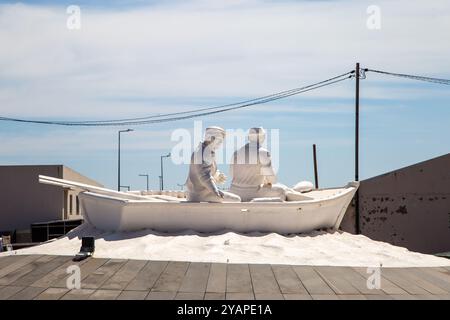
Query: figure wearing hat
[[203, 175], [252, 173]]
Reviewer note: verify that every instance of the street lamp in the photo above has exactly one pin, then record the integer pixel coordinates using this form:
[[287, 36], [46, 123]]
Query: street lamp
[[181, 185], [162, 171], [118, 159], [145, 175]]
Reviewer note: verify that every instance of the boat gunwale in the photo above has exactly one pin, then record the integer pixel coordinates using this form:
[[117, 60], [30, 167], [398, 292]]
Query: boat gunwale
[[345, 191]]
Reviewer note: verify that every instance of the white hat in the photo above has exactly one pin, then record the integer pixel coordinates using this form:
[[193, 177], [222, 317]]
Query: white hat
[[214, 132], [257, 134]]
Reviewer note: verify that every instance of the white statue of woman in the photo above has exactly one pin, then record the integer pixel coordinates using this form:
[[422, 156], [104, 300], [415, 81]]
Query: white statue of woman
[[203, 175]]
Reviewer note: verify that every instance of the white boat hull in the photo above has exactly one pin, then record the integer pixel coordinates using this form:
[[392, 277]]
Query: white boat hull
[[112, 213]]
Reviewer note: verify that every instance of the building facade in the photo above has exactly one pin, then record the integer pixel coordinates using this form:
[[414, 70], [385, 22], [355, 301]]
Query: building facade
[[25, 201]]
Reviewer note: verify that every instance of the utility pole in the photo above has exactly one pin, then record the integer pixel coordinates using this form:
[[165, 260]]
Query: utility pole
[[357, 222], [316, 175]]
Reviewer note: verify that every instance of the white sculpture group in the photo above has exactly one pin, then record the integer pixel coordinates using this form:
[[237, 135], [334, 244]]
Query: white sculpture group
[[253, 178]]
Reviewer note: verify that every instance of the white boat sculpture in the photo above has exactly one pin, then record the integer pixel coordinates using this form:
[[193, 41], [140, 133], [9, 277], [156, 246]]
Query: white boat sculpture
[[111, 210]]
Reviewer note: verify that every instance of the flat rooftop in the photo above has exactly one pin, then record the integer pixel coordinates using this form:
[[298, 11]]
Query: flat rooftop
[[44, 277]]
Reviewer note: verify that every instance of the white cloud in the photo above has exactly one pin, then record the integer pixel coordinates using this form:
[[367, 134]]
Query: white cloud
[[86, 142], [199, 49]]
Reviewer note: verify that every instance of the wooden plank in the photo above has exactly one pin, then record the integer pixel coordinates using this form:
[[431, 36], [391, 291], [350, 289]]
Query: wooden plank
[[336, 280], [385, 285], [443, 273], [125, 275], [196, 278], [403, 297], [86, 268], [103, 294], [352, 297], [78, 294], [296, 296], [445, 270], [324, 297], [217, 281], [132, 295], [12, 277], [52, 294], [313, 283], [357, 280], [263, 281], [29, 293], [434, 276], [378, 297], [269, 296], [9, 291], [239, 296], [412, 275], [214, 296], [288, 280], [8, 260], [189, 296], [172, 277], [56, 275], [40, 271], [238, 279], [147, 277], [19, 263], [158, 295], [96, 279], [406, 284]]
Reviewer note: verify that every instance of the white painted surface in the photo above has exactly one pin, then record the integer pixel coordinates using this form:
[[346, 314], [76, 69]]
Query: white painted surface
[[111, 213]]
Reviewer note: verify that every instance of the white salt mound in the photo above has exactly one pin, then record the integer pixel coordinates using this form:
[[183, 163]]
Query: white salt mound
[[316, 248]]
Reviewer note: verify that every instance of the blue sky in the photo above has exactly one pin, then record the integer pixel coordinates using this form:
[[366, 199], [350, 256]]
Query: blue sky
[[137, 58]]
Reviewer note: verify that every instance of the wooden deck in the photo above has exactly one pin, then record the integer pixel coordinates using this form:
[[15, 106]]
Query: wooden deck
[[44, 277]]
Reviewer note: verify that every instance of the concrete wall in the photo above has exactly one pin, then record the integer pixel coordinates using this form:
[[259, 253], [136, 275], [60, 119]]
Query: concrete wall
[[23, 200], [409, 207]]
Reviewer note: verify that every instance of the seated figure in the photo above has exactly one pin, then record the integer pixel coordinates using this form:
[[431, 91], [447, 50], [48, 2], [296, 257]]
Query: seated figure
[[252, 173], [203, 175]]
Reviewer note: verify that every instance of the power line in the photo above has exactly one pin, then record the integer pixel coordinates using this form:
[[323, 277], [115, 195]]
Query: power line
[[221, 106], [413, 77], [228, 109], [191, 113], [175, 116]]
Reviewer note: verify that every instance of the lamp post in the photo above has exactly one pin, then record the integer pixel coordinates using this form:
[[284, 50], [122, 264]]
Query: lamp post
[[145, 175], [181, 185], [162, 171], [118, 159]]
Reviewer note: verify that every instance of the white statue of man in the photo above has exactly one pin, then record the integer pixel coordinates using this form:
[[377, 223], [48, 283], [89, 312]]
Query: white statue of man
[[252, 173], [203, 175]]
